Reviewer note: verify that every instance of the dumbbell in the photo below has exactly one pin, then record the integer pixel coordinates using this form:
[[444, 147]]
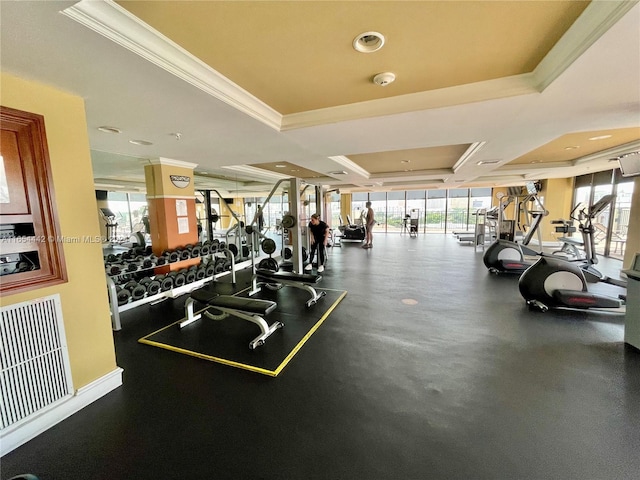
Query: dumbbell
[[210, 269], [136, 290], [219, 265], [166, 282], [190, 276], [178, 279], [152, 286], [122, 295], [201, 272]]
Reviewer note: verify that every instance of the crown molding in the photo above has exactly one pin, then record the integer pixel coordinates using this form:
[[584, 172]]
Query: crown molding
[[596, 19], [118, 25], [172, 163], [442, 97], [115, 23]]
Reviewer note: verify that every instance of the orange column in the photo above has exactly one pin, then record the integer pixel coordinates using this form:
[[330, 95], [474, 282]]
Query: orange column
[[172, 207]]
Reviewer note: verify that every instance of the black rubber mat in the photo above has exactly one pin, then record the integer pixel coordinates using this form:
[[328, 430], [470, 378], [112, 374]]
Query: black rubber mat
[[227, 341]]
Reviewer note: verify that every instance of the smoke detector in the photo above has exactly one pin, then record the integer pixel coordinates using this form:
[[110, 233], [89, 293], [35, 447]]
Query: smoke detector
[[384, 79]]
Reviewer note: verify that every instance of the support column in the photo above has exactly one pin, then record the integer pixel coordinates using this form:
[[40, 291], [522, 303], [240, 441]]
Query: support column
[[172, 207]]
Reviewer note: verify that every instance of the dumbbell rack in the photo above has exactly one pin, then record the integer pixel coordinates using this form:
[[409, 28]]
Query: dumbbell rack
[[173, 292]]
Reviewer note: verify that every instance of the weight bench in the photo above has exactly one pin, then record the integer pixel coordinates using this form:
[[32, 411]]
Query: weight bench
[[276, 280], [570, 245], [250, 309]]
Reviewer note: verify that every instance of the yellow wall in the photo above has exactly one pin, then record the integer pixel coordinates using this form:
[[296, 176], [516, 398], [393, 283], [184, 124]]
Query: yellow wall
[[557, 195], [226, 218], [345, 206], [84, 298]]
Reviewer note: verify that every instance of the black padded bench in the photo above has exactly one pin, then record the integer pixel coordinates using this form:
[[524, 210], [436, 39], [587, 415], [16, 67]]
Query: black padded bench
[[303, 281], [250, 309]]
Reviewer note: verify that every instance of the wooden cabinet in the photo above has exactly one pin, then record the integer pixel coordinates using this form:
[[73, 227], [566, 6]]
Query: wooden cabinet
[[30, 254]]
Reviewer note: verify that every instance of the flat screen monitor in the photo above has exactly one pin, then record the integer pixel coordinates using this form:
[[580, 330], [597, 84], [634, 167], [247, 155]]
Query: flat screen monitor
[[630, 164], [531, 188]]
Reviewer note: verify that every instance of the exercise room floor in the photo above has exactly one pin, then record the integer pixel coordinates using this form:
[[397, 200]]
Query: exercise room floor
[[429, 368]]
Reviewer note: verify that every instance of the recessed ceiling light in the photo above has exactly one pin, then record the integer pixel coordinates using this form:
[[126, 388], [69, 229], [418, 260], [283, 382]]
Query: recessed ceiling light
[[339, 172], [600, 137], [106, 129], [368, 42], [140, 142], [405, 161], [572, 147], [279, 165]]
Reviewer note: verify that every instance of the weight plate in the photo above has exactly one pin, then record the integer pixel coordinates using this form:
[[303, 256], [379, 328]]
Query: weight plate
[[288, 221], [268, 246]]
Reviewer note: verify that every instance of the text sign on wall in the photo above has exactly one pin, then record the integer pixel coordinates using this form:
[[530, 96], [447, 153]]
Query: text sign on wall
[[180, 181]]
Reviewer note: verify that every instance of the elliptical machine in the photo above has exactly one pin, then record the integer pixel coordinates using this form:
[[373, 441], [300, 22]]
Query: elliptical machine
[[505, 255], [552, 282]]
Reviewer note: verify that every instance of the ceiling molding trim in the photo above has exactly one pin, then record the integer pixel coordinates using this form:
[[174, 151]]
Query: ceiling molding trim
[[256, 172], [608, 153], [118, 25], [443, 97], [466, 156], [344, 161], [172, 163], [509, 169], [596, 19], [423, 174]]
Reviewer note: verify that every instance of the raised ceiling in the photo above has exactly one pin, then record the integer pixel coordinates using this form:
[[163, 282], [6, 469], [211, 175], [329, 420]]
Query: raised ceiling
[[486, 93], [298, 56]]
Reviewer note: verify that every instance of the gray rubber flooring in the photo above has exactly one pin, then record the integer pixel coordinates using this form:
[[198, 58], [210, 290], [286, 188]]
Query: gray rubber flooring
[[430, 368]]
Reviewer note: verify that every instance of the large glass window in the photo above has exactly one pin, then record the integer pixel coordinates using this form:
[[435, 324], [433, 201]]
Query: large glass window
[[611, 223], [358, 201], [621, 216], [395, 211], [458, 210], [416, 207], [436, 208], [379, 205]]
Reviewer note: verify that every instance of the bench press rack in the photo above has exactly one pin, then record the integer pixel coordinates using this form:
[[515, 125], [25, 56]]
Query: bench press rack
[[250, 309], [276, 280]]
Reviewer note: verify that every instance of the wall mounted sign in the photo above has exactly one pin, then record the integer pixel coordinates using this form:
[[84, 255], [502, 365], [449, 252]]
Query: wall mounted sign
[[180, 181]]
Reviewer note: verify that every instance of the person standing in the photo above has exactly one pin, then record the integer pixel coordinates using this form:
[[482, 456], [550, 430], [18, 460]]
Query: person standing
[[370, 222], [318, 237]]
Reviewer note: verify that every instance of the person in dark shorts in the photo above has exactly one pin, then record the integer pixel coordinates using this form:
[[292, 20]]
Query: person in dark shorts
[[318, 237]]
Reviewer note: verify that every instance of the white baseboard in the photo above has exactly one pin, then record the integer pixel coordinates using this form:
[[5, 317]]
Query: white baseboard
[[23, 431]]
